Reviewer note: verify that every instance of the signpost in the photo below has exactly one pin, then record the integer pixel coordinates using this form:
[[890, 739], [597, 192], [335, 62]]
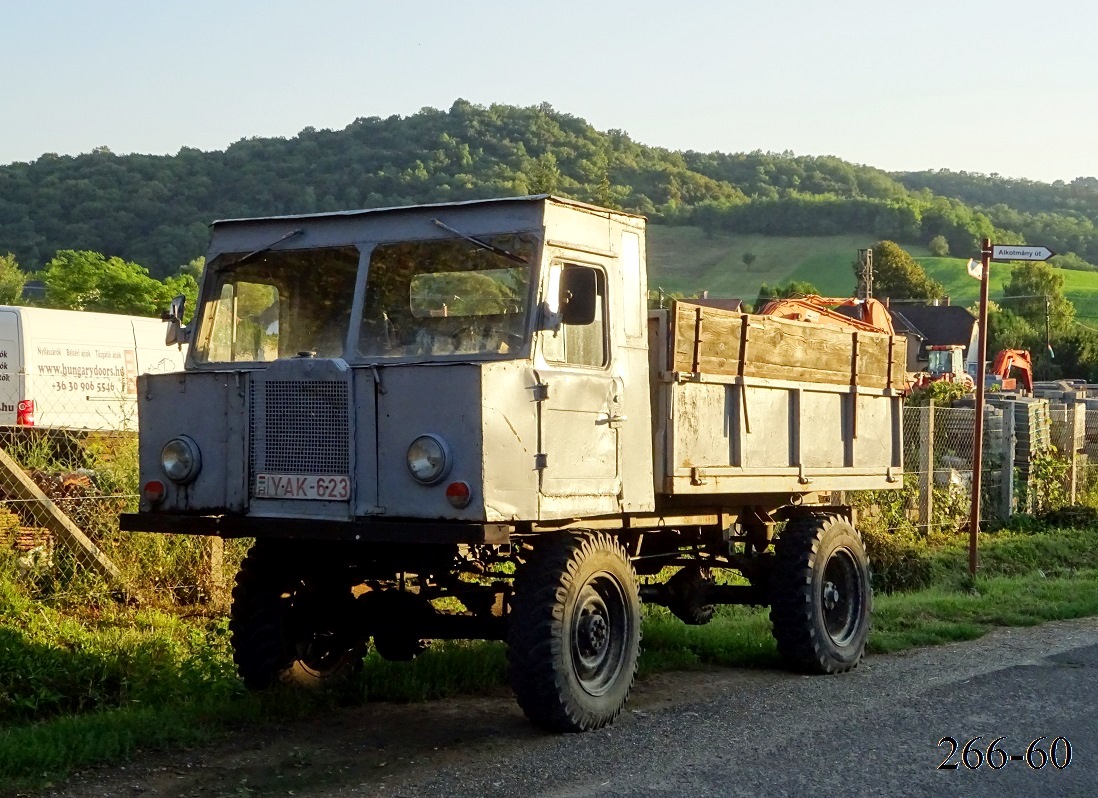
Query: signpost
[[989, 252]]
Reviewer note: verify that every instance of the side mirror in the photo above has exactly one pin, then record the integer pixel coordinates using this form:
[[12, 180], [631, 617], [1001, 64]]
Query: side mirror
[[177, 333], [578, 295]]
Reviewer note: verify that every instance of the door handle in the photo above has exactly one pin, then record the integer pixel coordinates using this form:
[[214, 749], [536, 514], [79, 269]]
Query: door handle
[[616, 419]]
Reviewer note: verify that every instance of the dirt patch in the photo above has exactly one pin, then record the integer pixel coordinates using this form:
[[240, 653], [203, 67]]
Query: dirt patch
[[362, 747]]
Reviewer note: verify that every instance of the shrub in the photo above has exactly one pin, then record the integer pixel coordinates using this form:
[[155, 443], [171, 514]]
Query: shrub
[[899, 559]]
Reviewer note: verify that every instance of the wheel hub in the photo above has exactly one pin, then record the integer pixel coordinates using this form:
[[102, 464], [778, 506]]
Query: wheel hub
[[592, 634], [840, 596], [600, 628]]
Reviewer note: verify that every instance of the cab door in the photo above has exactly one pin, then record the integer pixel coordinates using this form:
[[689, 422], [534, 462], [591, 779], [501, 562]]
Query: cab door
[[581, 399]]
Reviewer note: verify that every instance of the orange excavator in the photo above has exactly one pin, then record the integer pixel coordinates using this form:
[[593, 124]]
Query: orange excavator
[[1012, 359], [869, 315], [946, 364]]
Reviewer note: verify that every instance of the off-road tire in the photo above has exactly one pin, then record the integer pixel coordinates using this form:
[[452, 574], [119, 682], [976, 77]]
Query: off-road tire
[[574, 632], [272, 584], [820, 594], [684, 596]]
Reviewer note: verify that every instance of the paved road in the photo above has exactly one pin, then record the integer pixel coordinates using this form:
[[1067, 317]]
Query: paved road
[[872, 732], [727, 732]]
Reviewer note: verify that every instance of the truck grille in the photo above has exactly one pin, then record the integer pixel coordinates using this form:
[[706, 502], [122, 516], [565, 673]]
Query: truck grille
[[300, 427]]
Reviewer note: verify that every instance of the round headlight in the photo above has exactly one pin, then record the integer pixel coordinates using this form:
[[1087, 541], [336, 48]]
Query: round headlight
[[180, 459], [429, 459]]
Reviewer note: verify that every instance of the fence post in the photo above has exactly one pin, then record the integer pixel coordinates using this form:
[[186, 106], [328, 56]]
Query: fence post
[[1078, 440], [1009, 440], [211, 570], [926, 468]]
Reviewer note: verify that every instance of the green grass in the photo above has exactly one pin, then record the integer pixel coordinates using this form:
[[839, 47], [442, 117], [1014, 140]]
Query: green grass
[[80, 687], [685, 259]]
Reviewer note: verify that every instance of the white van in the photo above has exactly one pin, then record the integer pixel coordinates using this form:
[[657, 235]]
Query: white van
[[73, 370]]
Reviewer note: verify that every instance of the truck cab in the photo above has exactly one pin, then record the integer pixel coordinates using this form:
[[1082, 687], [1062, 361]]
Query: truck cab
[[482, 362]]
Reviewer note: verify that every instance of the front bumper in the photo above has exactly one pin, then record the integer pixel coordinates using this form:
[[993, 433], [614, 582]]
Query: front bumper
[[367, 530]]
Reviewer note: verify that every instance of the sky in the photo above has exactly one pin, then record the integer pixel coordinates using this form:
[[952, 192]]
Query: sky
[[1006, 87]]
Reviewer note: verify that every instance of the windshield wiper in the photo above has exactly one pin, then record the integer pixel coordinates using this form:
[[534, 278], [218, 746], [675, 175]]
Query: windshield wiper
[[482, 244], [253, 255]]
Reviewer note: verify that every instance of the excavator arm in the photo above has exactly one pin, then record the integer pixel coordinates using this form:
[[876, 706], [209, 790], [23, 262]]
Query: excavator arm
[[868, 315], [1019, 359]]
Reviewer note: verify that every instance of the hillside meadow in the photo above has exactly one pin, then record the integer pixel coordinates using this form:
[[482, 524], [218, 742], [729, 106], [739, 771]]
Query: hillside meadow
[[687, 260]]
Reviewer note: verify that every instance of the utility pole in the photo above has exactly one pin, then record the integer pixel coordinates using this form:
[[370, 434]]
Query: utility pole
[[1048, 337], [990, 252], [865, 274], [986, 254]]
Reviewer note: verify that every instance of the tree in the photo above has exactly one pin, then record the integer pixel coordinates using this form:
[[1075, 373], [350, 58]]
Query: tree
[[1007, 330], [545, 177], [12, 280], [194, 267], [82, 280], [1031, 284], [779, 291], [897, 275], [748, 259], [938, 246]]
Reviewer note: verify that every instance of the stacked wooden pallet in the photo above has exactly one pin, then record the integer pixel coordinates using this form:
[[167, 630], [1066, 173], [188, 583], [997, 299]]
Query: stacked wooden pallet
[[9, 527]]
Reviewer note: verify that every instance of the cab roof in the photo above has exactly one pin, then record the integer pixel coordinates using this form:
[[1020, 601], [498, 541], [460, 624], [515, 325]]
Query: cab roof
[[530, 198]]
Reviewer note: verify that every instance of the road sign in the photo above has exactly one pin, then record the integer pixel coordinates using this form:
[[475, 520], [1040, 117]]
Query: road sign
[[1019, 252], [975, 269]]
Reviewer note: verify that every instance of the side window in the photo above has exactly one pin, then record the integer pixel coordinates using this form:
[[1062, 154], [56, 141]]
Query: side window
[[636, 312], [581, 338], [245, 323]]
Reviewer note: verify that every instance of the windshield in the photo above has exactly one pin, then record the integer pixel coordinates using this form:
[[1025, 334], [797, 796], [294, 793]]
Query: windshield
[[278, 304], [453, 297], [941, 361]]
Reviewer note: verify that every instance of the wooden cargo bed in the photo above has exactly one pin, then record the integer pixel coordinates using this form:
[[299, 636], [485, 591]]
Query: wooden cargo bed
[[746, 404]]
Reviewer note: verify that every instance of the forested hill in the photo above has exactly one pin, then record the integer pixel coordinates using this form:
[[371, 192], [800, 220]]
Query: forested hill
[[154, 210]]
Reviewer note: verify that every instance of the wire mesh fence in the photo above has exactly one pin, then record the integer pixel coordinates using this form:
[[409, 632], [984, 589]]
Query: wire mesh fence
[[61, 493]]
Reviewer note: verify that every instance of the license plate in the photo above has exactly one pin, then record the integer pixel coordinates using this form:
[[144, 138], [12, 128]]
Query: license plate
[[335, 488]]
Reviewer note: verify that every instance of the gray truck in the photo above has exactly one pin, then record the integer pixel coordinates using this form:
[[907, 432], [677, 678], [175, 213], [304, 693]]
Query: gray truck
[[462, 421]]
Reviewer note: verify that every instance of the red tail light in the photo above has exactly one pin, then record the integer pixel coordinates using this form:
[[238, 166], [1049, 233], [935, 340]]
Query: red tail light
[[153, 490], [459, 494], [24, 413]]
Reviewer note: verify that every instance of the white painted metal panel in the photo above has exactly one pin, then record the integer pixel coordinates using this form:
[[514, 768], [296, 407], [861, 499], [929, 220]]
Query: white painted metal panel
[[824, 429], [767, 435], [579, 442], [443, 400]]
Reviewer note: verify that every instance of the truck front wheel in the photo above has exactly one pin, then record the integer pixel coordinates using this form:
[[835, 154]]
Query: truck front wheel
[[574, 632], [291, 622], [820, 594]]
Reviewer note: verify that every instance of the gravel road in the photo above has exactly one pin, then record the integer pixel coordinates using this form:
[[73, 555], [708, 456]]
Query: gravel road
[[729, 732]]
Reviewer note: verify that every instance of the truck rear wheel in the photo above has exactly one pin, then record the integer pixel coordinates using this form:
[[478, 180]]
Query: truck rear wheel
[[574, 632], [820, 594], [397, 617], [291, 622], [685, 590]]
